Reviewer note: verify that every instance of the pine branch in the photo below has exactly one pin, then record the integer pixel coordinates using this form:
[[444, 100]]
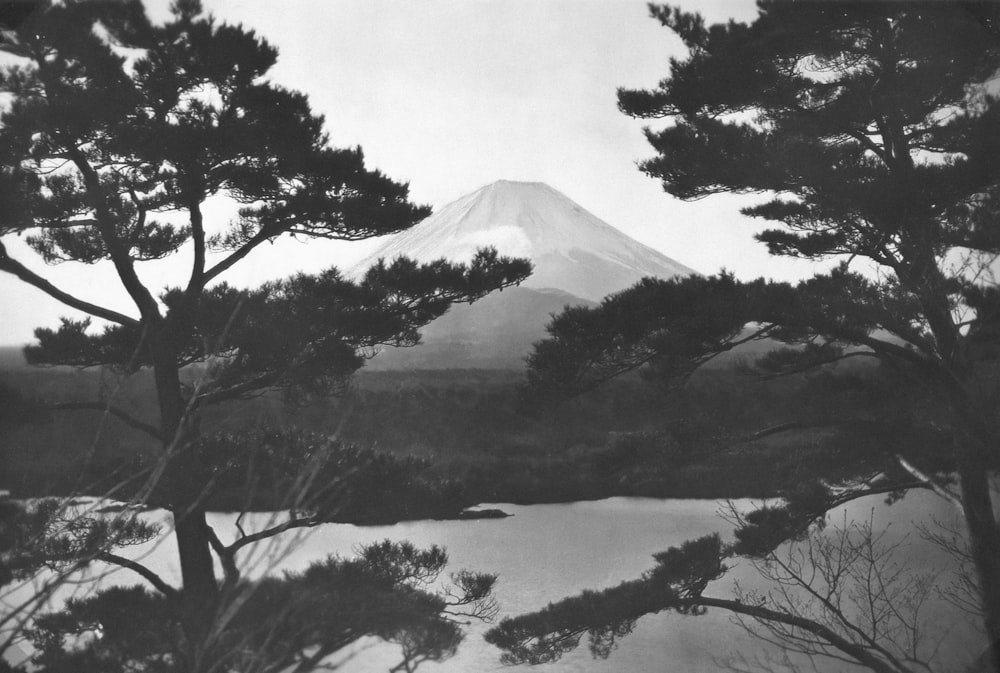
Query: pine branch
[[308, 522], [257, 383], [136, 567], [239, 390], [868, 143], [117, 412], [124, 265], [883, 488], [265, 234], [814, 365], [916, 357], [14, 267]]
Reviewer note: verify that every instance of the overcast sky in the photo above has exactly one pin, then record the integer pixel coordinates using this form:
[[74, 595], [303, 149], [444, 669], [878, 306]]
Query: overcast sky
[[451, 95]]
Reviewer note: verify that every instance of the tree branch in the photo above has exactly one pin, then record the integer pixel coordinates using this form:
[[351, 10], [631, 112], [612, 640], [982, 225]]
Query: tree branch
[[916, 357], [291, 524], [14, 267], [119, 253], [261, 236], [226, 556], [813, 365], [833, 606], [872, 489], [136, 567], [238, 390], [117, 412], [868, 143], [858, 652], [930, 482], [259, 382]]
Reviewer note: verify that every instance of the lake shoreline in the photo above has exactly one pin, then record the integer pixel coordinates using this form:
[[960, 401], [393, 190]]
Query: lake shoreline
[[761, 468]]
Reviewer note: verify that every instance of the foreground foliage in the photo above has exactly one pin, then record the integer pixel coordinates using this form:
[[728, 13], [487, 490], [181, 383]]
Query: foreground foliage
[[842, 594], [389, 591], [114, 135]]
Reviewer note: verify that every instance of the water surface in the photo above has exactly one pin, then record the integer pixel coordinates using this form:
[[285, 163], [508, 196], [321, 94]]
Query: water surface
[[547, 552]]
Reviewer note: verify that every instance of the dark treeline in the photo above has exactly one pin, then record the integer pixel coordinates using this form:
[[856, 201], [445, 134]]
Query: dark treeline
[[725, 433]]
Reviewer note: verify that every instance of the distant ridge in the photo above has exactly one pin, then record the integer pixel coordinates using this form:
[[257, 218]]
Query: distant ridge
[[572, 249]]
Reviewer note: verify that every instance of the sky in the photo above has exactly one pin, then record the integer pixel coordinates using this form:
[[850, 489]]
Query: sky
[[451, 95]]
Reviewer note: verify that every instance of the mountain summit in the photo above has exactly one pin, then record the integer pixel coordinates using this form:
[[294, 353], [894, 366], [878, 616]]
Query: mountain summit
[[578, 258], [573, 250]]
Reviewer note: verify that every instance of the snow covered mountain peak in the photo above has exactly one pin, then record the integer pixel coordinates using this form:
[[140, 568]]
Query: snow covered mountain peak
[[572, 249]]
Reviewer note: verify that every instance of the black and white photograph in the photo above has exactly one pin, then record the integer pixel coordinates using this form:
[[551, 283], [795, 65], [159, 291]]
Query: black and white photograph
[[501, 336]]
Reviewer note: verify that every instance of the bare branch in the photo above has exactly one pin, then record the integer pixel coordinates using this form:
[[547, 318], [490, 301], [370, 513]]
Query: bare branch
[[307, 522], [868, 143], [117, 412], [858, 652], [14, 267], [226, 555], [136, 567], [265, 234]]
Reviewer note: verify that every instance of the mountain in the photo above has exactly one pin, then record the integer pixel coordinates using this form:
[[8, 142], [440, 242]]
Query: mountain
[[496, 332], [578, 258], [573, 250]]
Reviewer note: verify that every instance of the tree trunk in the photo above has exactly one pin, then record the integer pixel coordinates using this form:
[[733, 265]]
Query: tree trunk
[[200, 593], [984, 542], [976, 459], [182, 488]]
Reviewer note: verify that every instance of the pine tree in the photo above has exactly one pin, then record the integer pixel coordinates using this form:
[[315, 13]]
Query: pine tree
[[874, 129], [114, 133]]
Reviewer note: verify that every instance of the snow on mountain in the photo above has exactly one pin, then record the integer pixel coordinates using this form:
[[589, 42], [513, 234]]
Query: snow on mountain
[[573, 250], [578, 260]]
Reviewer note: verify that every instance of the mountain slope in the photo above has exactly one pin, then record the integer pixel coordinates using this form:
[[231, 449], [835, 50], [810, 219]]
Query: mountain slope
[[578, 258], [496, 332], [573, 250]]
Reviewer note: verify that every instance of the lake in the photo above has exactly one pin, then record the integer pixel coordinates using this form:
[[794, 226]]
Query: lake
[[546, 552]]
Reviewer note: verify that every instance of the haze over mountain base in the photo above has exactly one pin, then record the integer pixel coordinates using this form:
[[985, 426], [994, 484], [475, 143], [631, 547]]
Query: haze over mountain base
[[494, 333], [578, 258]]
